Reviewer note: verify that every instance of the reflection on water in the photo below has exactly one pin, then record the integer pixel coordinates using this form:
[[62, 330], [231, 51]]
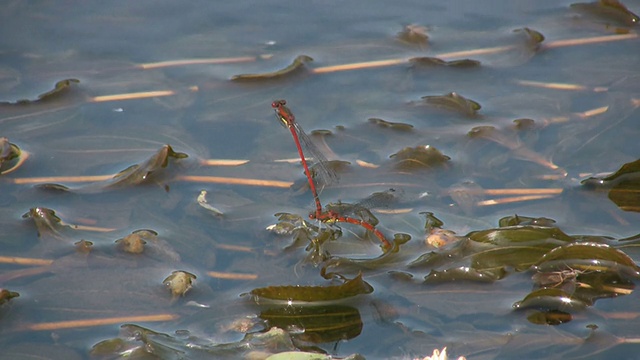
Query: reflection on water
[[139, 184]]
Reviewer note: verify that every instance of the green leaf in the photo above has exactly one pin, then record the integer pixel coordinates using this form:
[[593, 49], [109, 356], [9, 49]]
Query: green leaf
[[312, 294]]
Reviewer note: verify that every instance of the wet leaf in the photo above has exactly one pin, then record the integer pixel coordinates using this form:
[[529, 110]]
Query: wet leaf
[[623, 186], [453, 102], [550, 299], [521, 235], [316, 324], [312, 294], [414, 35], [179, 282], [6, 295], [434, 62], [588, 257], [432, 221], [464, 273], [133, 243], [525, 220], [391, 125], [8, 152], [609, 10], [46, 221], [143, 172], [61, 88], [297, 65], [419, 157], [533, 38]]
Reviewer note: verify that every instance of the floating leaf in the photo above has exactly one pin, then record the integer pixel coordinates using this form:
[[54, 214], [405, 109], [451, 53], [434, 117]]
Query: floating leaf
[[8, 152], [521, 234], [612, 10], [550, 299], [433, 62], [61, 88], [139, 173], [623, 186], [533, 37], [419, 157], [464, 273], [179, 282], [316, 324], [312, 294], [298, 64], [453, 102], [414, 35], [6, 295], [525, 220], [391, 125], [46, 221], [588, 257]]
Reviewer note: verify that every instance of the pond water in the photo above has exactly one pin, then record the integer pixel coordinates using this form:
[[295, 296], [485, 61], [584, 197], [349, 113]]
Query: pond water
[[133, 159]]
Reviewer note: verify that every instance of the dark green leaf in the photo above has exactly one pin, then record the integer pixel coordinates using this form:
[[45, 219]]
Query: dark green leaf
[[312, 294], [550, 299], [321, 324], [588, 257], [298, 64]]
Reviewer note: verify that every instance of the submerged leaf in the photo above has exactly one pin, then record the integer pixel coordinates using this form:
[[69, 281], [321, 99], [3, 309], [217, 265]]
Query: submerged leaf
[[453, 102], [46, 221], [464, 273], [316, 324], [298, 64], [312, 294], [419, 157]]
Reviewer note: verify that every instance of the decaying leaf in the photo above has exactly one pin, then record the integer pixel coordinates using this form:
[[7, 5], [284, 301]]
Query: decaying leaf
[[312, 294], [297, 65], [419, 157], [453, 102]]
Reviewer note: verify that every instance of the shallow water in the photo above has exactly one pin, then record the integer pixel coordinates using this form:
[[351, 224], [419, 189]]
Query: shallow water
[[583, 98]]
